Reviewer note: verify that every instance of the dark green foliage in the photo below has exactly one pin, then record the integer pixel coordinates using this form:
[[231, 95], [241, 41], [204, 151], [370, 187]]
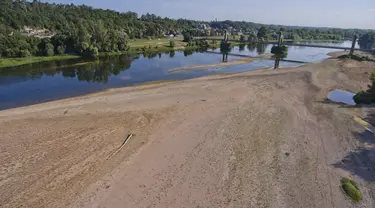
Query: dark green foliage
[[49, 50], [172, 54], [262, 33], [187, 37], [202, 43], [60, 50], [172, 44], [367, 41], [351, 189], [24, 53], [280, 51], [92, 52], [366, 97], [356, 57]]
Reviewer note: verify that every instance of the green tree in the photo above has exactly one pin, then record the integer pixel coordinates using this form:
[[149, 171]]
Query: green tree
[[24, 53], [92, 52], [172, 43], [60, 50], [49, 50], [187, 37], [262, 33]]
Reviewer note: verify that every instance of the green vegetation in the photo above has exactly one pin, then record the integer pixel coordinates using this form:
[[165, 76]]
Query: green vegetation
[[366, 97], [280, 51], [356, 57], [262, 33], [367, 40], [172, 44], [22, 61], [351, 189]]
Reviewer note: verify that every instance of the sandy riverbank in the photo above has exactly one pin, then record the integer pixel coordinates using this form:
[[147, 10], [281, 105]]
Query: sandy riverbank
[[253, 139]]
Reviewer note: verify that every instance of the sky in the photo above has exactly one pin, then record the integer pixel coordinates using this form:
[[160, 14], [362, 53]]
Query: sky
[[321, 13]]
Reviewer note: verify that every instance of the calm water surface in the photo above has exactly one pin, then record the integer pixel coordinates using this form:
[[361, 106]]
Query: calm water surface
[[42, 82], [342, 96]]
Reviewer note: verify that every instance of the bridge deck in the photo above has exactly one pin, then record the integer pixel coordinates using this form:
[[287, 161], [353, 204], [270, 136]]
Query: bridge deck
[[297, 44], [248, 56]]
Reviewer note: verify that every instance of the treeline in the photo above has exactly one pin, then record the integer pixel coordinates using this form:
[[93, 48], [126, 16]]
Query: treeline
[[87, 31]]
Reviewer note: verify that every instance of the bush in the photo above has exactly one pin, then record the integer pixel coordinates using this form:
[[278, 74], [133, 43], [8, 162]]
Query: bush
[[187, 37], [49, 50], [24, 53], [351, 189], [172, 44], [9, 53], [92, 52], [280, 50], [60, 50], [367, 97]]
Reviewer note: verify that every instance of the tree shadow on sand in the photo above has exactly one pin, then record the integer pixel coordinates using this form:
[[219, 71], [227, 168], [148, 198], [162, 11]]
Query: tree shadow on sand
[[361, 162], [340, 105]]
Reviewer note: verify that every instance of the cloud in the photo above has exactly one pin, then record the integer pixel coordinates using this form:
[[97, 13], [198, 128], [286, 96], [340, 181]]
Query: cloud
[[371, 10]]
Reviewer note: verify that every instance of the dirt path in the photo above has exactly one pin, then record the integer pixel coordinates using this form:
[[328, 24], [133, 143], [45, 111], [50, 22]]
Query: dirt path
[[253, 139]]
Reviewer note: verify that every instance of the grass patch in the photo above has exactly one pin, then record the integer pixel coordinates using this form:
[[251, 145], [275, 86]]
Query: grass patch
[[9, 62], [351, 189]]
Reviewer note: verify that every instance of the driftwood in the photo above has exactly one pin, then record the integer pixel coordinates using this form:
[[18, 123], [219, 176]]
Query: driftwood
[[123, 145]]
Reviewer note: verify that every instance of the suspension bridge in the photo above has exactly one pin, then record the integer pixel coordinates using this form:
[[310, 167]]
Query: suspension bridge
[[296, 44]]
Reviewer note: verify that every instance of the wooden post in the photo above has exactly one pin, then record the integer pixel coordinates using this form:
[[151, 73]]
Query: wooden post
[[353, 44]]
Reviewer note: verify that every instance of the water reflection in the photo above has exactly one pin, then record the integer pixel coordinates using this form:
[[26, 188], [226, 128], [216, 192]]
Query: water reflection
[[41, 82], [261, 48], [84, 70], [241, 47]]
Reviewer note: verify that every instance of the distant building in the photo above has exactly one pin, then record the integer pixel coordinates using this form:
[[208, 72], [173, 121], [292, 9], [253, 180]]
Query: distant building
[[37, 32]]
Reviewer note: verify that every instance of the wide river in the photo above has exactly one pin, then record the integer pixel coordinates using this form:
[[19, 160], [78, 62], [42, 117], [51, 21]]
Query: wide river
[[42, 82]]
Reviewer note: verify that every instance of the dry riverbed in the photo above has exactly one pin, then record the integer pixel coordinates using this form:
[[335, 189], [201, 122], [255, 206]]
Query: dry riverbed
[[252, 139]]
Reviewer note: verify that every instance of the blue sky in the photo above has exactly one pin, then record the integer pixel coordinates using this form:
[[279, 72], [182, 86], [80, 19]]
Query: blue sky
[[330, 13]]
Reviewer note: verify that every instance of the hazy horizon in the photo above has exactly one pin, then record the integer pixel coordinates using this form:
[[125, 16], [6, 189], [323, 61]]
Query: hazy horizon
[[318, 13]]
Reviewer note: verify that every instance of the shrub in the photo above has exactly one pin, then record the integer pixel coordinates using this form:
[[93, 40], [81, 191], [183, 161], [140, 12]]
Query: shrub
[[366, 97], [92, 52], [187, 37], [49, 50], [60, 50], [279, 50], [24, 53], [351, 189], [172, 43]]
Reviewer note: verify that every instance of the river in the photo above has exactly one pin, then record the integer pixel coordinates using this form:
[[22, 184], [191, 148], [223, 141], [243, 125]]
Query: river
[[43, 82]]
